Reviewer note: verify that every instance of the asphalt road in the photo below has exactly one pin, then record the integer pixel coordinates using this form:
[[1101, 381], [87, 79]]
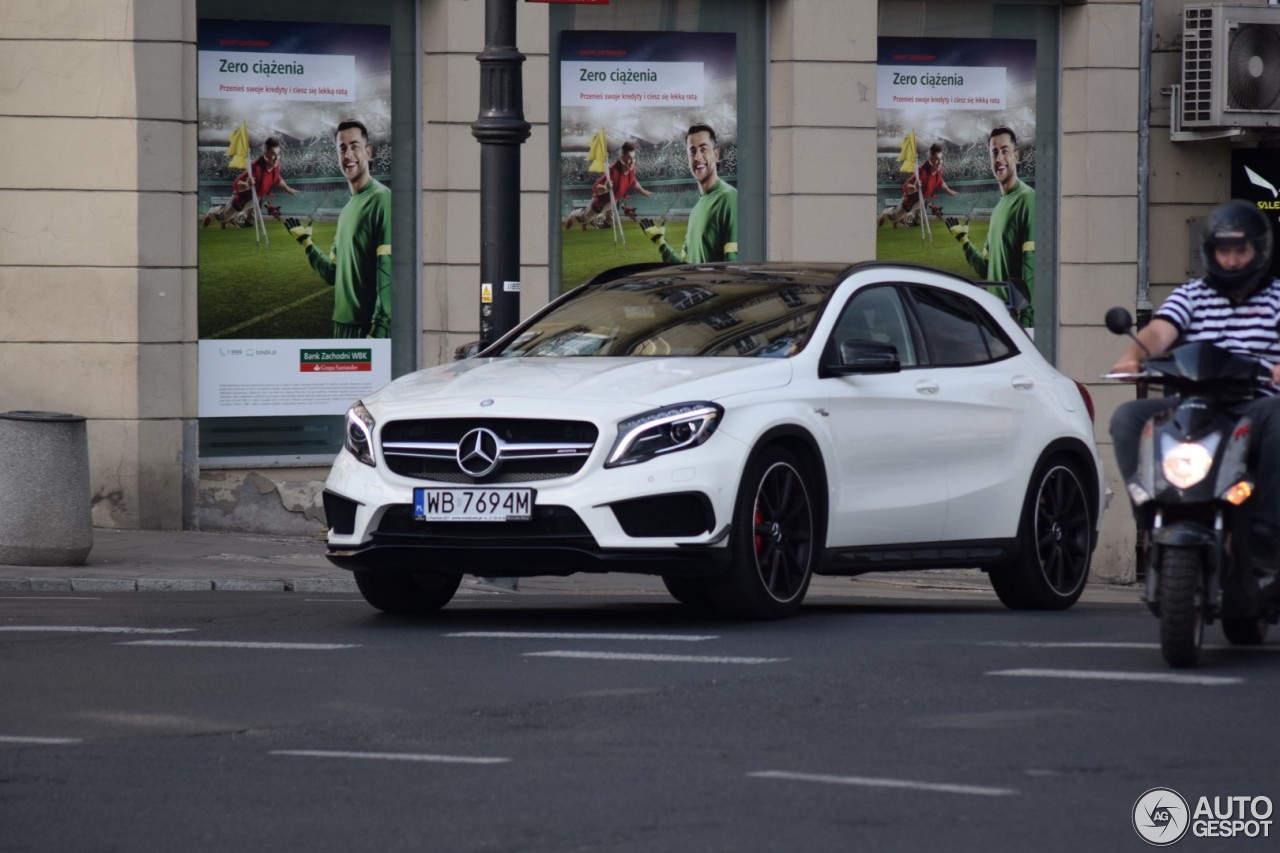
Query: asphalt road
[[285, 721]]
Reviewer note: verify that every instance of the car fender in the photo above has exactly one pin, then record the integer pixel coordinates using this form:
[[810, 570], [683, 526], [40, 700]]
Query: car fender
[[800, 427]]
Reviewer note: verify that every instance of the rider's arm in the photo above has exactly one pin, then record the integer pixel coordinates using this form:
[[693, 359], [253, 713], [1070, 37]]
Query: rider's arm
[[1157, 336]]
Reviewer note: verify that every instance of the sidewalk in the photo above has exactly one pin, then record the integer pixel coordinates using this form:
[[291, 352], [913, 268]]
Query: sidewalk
[[191, 561]]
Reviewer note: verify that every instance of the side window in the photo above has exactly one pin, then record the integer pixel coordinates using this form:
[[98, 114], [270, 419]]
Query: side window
[[953, 333], [876, 314], [998, 343]]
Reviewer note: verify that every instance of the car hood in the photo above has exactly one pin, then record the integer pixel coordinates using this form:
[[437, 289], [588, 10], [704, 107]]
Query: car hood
[[562, 382]]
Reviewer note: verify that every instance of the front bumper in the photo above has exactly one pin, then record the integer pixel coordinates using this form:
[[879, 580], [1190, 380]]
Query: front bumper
[[665, 516]]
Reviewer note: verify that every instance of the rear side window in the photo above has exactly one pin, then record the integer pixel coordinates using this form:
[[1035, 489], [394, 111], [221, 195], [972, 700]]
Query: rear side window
[[956, 331]]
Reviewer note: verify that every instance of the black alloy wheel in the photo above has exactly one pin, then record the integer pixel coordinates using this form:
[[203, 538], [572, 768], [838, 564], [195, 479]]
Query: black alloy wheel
[[1056, 538], [773, 547]]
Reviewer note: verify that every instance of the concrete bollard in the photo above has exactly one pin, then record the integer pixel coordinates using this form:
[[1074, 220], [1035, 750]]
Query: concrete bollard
[[45, 505]]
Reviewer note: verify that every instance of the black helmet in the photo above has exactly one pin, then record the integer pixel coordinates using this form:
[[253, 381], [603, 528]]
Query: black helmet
[[1237, 222]]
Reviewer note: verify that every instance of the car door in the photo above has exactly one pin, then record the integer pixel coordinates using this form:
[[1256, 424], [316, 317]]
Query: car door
[[985, 393], [887, 486]]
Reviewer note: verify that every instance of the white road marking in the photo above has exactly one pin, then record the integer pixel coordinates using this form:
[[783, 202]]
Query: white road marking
[[49, 598], [653, 658], [227, 644], [1015, 644], [1107, 675], [543, 635], [92, 629], [48, 741], [391, 756], [870, 782]]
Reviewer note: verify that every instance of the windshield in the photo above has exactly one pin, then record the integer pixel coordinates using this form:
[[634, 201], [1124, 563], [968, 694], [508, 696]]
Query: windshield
[[687, 316]]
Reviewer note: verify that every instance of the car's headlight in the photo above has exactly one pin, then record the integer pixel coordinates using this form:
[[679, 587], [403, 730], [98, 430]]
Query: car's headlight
[[1186, 464], [663, 430], [359, 437]]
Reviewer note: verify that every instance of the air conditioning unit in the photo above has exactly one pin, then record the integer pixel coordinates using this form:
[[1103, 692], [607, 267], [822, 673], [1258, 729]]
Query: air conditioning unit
[[1230, 67]]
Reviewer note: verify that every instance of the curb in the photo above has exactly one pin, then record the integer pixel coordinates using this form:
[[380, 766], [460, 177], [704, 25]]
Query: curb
[[304, 585]]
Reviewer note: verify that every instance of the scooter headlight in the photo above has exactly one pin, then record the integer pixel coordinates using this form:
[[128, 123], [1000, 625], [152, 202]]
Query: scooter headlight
[[1186, 464]]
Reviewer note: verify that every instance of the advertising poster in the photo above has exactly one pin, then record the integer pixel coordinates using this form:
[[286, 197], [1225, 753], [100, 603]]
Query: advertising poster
[[294, 299], [956, 165], [1255, 177], [648, 150]]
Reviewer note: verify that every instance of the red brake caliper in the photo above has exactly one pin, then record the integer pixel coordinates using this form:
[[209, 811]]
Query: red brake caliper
[[758, 519]]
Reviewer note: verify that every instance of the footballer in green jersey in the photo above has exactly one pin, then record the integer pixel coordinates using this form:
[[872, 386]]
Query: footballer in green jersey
[[712, 234], [1010, 250], [359, 264]]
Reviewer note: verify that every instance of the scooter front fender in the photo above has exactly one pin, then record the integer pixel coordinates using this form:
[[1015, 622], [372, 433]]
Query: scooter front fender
[[1184, 535], [1188, 534]]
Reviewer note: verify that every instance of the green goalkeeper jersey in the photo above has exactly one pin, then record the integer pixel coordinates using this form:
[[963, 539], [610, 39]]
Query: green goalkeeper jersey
[[712, 234], [1010, 251], [359, 264]]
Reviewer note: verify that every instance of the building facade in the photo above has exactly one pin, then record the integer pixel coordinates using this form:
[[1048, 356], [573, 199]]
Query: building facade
[[101, 242]]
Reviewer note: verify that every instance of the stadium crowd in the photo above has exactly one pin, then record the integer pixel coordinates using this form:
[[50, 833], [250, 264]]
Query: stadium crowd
[[308, 159], [654, 163]]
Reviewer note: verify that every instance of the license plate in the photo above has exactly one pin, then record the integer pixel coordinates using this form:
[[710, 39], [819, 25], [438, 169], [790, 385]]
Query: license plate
[[473, 504]]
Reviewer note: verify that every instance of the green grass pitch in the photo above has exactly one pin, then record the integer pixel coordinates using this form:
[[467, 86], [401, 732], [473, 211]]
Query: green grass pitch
[[584, 254], [262, 292], [269, 291], [904, 244]]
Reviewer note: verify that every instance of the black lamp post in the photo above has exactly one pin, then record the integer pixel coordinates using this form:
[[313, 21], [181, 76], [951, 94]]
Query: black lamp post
[[501, 129]]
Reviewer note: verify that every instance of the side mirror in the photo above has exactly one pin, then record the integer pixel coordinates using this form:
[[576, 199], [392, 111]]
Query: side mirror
[[864, 357], [1118, 321], [467, 350]]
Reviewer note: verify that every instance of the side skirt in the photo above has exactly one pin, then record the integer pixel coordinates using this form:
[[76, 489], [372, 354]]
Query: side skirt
[[983, 554]]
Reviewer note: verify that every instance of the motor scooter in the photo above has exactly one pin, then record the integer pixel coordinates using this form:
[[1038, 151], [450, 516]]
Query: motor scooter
[[1191, 499]]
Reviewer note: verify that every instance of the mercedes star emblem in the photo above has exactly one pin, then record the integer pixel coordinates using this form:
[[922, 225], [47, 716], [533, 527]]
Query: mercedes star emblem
[[478, 452]]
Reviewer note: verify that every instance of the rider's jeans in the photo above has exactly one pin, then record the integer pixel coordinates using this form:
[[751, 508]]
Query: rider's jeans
[[1264, 450]]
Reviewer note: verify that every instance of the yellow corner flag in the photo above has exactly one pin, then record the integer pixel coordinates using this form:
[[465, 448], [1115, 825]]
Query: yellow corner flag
[[907, 158], [598, 153], [238, 150]]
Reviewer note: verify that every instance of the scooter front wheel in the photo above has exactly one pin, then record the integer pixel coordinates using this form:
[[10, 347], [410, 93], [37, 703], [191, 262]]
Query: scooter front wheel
[[1181, 597]]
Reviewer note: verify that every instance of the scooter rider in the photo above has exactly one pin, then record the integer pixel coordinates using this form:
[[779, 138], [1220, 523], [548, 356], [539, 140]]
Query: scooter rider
[[1236, 306]]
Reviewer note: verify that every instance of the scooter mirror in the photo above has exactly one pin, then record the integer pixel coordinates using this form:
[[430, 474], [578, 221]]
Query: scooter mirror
[[1118, 321]]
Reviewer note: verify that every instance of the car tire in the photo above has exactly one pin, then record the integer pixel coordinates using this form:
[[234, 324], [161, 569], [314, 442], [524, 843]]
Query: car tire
[[772, 545], [407, 593], [694, 593], [1056, 542], [1245, 631]]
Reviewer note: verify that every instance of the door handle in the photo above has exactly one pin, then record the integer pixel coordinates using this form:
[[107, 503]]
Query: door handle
[[1023, 383], [927, 386]]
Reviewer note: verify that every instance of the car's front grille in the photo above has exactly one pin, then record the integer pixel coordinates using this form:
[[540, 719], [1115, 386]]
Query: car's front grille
[[521, 450]]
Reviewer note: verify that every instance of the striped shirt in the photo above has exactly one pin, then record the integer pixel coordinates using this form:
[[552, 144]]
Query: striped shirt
[[1251, 329]]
